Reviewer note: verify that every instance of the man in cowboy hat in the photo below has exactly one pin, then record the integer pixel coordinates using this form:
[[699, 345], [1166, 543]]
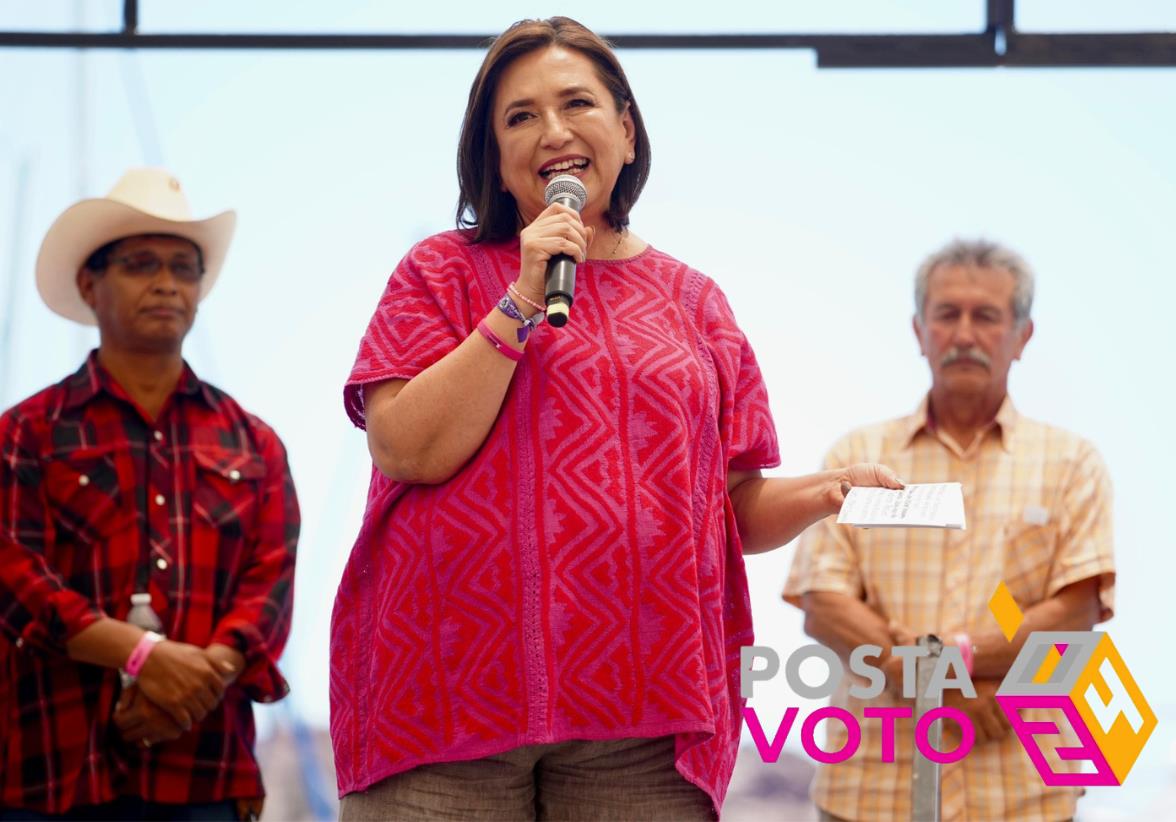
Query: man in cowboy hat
[[132, 477]]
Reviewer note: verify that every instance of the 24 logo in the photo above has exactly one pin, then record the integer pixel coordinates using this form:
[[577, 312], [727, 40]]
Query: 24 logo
[[1082, 675]]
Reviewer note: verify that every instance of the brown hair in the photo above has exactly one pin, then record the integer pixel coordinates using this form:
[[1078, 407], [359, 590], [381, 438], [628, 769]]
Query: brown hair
[[482, 206]]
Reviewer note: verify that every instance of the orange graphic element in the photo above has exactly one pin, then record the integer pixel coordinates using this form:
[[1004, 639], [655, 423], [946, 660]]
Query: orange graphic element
[[1115, 711], [1007, 612]]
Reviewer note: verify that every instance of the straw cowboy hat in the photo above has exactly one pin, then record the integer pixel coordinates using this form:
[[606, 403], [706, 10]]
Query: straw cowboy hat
[[143, 201]]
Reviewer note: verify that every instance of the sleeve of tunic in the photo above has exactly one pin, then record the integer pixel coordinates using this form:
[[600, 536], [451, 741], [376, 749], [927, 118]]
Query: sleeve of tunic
[[745, 419], [422, 316]]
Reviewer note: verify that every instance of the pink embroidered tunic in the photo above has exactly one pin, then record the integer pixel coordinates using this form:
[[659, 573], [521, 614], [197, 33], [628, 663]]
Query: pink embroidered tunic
[[581, 577]]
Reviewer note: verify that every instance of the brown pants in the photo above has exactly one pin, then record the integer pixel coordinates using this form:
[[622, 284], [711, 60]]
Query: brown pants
[[610, 781]]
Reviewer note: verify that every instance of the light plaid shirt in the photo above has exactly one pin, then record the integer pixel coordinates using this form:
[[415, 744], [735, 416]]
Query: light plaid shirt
[[1038, 504]]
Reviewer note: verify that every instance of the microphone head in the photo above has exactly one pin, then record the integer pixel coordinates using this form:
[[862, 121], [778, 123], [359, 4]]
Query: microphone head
[[565, 185]]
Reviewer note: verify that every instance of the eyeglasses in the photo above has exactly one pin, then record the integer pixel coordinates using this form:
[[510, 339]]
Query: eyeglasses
[[184, 269]]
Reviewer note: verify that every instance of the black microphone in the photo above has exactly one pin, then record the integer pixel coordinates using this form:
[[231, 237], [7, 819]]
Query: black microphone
[[561, 269]]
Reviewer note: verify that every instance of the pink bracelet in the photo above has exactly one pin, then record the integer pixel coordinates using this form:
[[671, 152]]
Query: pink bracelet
[[139, 655], [964, 642], [510, 287], [496, 341]]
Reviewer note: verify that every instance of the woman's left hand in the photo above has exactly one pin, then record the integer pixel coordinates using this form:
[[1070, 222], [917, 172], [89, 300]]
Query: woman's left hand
[[868, 474]]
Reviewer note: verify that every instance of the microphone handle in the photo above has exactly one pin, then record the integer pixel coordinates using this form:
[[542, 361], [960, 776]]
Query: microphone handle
[[560, 291], [561, 288]]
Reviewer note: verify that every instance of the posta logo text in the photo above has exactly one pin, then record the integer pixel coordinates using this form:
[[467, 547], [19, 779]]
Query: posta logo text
[[1077, 675]]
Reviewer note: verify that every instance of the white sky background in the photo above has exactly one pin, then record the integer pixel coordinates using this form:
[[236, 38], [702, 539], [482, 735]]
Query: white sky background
[[810, 197]]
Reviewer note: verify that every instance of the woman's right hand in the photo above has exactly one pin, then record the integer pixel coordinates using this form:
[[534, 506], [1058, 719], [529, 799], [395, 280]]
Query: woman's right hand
[[557, 230]]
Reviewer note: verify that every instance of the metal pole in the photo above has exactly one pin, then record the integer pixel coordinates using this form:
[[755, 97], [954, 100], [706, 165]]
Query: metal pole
[[82, 336], [1001, 24], [12, 286], [130, 17], [925, 796]]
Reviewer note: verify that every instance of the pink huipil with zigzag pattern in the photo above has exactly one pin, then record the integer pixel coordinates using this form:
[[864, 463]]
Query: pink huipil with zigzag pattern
[[581, 577]]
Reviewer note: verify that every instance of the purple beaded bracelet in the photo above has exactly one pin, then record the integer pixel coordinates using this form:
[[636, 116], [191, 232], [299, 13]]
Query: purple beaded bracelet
[[507, 306]]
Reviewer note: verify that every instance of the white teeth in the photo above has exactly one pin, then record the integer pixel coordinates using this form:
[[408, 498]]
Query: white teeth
[[566, 165]]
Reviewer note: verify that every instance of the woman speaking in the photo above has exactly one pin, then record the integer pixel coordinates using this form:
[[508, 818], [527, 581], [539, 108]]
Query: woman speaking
[[542, 613]]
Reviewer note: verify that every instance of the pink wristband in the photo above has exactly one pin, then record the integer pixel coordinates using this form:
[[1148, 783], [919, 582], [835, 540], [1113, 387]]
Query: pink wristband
[[143, 650], [964, 643], [496, 341]]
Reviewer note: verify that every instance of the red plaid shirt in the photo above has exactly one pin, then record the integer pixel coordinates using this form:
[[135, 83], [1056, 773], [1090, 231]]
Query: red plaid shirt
[[96, 503]]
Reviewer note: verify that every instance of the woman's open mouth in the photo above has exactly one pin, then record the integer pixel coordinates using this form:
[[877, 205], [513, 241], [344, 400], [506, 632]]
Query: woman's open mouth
[[574, 166]]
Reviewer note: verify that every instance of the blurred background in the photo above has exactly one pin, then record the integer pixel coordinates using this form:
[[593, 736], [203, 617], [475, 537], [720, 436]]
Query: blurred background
[[809, 195]]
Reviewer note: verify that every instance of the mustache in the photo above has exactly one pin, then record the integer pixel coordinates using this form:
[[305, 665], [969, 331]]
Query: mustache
[[956, 354]]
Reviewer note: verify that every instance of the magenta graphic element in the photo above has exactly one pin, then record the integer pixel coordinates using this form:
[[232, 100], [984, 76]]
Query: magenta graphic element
[[967, 735], [1060, 688], [769, 752], [1029, 731], [853, 735]]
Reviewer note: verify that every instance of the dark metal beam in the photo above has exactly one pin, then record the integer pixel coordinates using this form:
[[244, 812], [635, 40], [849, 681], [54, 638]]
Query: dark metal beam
[[119, 40], [911, 51], [1019, 51], [833, 50], [1091, 50]]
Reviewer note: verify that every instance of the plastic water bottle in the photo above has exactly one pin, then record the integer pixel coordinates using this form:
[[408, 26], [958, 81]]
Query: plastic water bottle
[[141, 615]]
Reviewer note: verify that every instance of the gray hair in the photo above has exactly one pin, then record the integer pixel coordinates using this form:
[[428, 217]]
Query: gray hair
[[979, 254]]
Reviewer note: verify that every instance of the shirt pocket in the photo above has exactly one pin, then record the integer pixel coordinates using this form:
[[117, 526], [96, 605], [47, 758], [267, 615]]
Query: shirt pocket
[[85, 500], [1028, 560], [93, 521], [228, 490]]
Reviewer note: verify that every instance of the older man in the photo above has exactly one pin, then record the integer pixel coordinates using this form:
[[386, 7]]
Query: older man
[[1039, 519], [134, 478]]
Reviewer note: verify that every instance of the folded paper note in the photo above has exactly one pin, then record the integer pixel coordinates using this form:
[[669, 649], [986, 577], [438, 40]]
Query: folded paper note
[[929, 505]]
